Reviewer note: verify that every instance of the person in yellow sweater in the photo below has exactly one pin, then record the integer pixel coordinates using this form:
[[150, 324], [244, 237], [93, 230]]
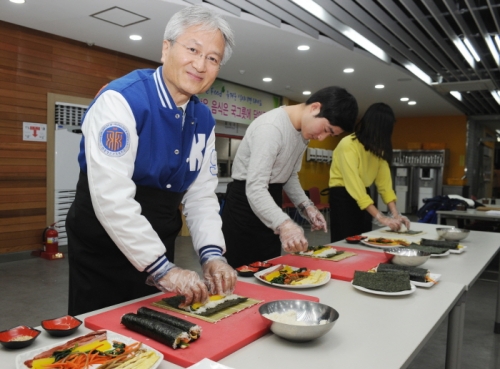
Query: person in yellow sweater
[[361, 159]]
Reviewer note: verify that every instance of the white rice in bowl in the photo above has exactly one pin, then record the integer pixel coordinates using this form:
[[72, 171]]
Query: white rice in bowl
[[290, 317]]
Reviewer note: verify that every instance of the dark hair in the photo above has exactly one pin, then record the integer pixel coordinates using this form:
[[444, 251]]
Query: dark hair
[[337, 105], [374, 130]]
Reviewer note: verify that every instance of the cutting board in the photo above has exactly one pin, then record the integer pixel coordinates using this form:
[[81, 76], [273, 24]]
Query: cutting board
[[343, 269], [217, 340]]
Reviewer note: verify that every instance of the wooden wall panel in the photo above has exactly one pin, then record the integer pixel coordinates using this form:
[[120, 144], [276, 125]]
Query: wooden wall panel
[[32, 65]]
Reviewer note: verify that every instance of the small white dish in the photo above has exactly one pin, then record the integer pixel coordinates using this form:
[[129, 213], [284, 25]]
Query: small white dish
[[440, 255], [208, 364], [273, 268], [400, 293], [434, 277], [111, 336], [460, 250]]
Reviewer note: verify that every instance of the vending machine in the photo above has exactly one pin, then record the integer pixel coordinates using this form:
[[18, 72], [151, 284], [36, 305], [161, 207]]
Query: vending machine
[[417, 175]]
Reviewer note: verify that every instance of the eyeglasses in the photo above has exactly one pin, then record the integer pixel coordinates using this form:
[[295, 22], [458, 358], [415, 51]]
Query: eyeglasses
[[212, 59]]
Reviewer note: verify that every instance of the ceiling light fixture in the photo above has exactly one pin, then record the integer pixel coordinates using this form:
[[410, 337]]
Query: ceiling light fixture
[[457, 95], [497, 41], [412, 103], [492, 48], [471, 49], [404, 99], [495, 95], [418, 72], [17, 1], [267, 79], [306, 93], [348, 70], [303, 48], [320, 13], [135, 37], [465, 52], [379, 86]]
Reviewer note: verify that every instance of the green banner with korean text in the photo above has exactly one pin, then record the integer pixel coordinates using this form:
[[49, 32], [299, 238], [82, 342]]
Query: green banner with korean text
[[231, 102]]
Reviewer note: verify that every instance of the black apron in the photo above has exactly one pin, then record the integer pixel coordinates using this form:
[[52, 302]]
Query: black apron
[[99, 273], [247, 238], [346, 218]]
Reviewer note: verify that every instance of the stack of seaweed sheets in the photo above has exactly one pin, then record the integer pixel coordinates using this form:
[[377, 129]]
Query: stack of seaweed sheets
[[390, 277], [416, 274], [383, 281], [434, 246], [165, 328]]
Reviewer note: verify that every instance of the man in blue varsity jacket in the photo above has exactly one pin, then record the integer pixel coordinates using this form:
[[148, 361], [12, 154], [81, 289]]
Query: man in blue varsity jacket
[[149, 145]]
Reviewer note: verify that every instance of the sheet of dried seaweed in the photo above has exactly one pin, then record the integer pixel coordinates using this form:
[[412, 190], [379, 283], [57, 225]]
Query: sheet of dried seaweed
[[383, 281], [214, 318], [439, 243], [416, 274], [429, 249]]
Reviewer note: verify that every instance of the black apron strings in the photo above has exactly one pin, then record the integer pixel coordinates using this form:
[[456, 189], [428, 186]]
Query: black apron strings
[[247, 238], [346, 218], [100, 275]]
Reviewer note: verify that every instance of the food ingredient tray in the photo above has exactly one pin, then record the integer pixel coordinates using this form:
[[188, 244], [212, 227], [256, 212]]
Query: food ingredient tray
[[217, 340], [343, 269]]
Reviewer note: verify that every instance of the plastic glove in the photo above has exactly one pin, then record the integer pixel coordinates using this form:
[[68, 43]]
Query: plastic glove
[[291, 236], [404, 220], [309, 212], [183, 282], [219, 277], [393, 224]]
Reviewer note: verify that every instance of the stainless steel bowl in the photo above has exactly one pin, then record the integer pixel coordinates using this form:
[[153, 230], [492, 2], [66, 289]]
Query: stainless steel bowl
[[309, 312], [408, 257], [453, 233]]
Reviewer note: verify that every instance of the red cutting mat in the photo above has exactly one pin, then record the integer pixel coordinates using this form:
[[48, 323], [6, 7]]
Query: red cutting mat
[[343, 269], [217, 340]]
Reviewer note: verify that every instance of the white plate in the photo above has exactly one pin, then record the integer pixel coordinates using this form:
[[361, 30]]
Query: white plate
[[20, 359], [400, 293], [459, 251], [435, 277], [378, 246], [446, 253], [208, 364], [271, 269]]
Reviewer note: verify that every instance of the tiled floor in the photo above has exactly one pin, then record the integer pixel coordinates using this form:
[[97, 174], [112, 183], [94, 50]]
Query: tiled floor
[[32, 289]]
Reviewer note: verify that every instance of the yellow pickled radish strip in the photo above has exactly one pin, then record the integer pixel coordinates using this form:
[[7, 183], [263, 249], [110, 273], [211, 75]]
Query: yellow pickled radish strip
[[198, 305]]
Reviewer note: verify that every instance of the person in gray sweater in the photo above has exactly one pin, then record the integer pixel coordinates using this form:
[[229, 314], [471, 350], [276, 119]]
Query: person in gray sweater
[[268, 160]]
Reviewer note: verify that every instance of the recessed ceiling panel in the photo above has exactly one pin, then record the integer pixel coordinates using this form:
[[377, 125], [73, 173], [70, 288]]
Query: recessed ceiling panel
[[119, 16]]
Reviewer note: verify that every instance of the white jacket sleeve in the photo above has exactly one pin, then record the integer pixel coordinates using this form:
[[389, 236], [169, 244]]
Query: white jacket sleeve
[[201, 207], [110, 181]]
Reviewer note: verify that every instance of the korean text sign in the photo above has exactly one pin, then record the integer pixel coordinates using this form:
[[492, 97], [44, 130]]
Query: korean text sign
[[234, 103]]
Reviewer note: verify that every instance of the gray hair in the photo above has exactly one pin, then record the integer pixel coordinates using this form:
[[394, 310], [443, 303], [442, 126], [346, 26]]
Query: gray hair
[[207, 19]]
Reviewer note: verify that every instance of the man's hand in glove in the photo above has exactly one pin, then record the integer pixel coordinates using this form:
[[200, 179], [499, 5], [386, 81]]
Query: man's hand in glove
[[219, 276], [182, 282], [291, 236], [308, 211]]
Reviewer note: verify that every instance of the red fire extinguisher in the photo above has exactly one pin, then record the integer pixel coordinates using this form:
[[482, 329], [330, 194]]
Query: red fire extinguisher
[[50, 239]]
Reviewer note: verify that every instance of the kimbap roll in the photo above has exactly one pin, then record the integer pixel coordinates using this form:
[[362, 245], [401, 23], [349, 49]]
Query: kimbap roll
[[416, 274], [215, 304], [192, 329], [162, 332]]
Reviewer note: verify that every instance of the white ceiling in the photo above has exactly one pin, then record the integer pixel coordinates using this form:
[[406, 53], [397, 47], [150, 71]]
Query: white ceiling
[[262, 50]]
